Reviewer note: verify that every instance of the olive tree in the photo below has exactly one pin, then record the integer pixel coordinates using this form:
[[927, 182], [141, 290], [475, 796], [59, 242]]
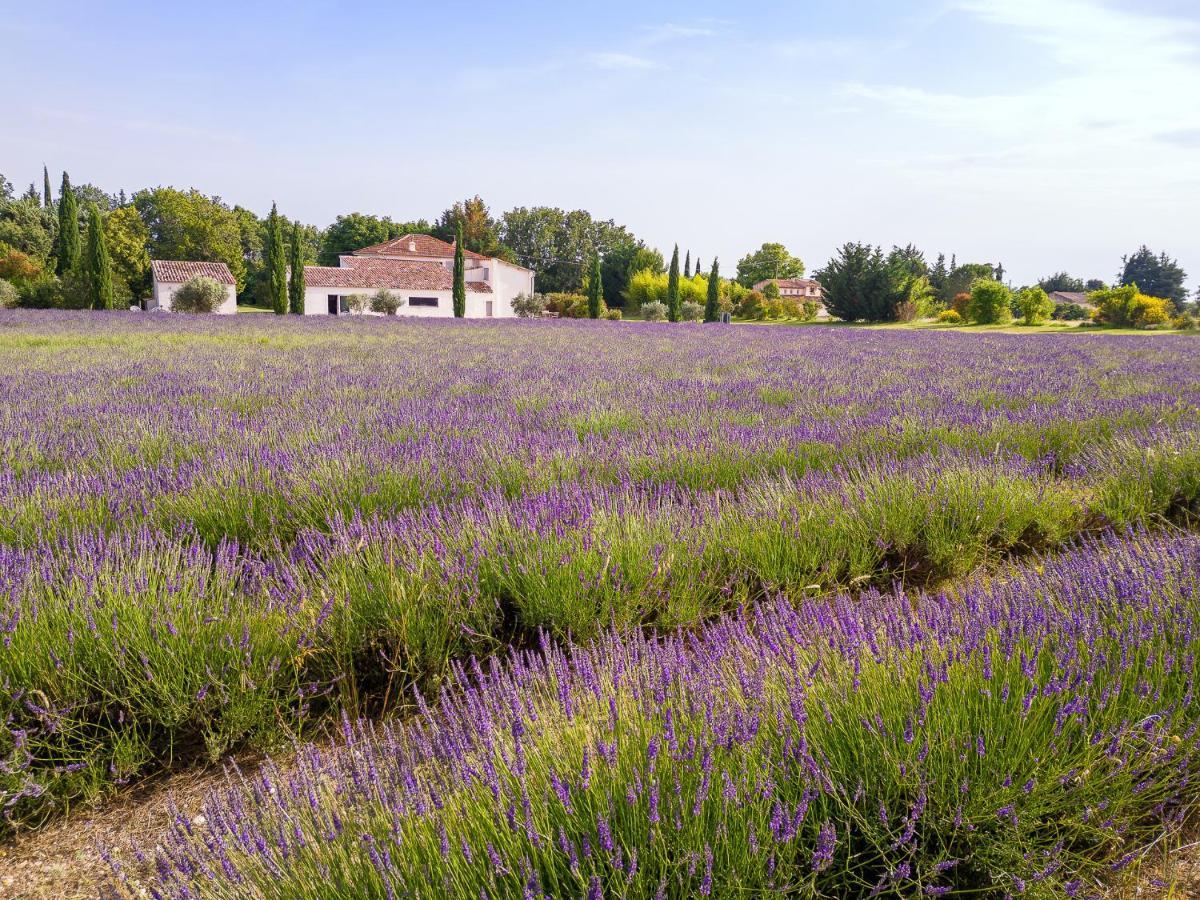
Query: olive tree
[[200, 294], [384, 301]]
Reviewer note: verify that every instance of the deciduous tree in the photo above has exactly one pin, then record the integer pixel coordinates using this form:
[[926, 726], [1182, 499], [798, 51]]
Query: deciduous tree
[[769, 261]]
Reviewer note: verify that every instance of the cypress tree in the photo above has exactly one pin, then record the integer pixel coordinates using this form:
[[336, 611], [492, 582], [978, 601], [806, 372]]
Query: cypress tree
[[699, 268], [296, 283], [712, 306], [673, 288], [595, 289], [460, 275], [47, 195], [68, 229], [276, 264], [97, 266], [687, 266]]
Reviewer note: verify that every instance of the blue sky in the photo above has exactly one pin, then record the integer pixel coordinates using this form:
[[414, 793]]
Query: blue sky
[[1043, 134]]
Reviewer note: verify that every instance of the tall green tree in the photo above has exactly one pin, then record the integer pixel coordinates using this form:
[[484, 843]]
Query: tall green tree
[[97, 266], [687, 265], [673, 302], [188, 225], [296, 281], [460, 274], [860, 283], [1061, 281], [595, 292], [767, 262], [68, 229], [712, 305], [1155, 275], [276, 264], [480, 231], [47, 194]]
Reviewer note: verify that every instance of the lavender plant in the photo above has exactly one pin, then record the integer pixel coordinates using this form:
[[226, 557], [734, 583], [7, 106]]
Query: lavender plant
[[1021, 736]]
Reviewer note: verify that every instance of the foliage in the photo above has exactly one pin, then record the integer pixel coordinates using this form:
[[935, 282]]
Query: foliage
[[1127, 307], [127, 238], [1154, 275], [861, 283], [97, 266], [753, 305], [69, 251], [460, 274], [691, 312], [28, 228], [9, 295], [654, 311], [770, 261], [613, 315], [357, 304], [595, 289], [1034, 304], [673, 299], [1185, 322], [43, 292], [960, 279], [990, 304], [950, 317], [570, 306], [712, 300], [188, 225], [771, 291], [354, 231], [528, 306], [384, 301], [1070, 312], [17, 267], [199, 294], [622, 260], [470, 222], [1061, 281]]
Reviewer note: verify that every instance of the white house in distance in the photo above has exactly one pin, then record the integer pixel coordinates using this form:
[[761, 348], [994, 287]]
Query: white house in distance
[[419, 269], [170, 274]]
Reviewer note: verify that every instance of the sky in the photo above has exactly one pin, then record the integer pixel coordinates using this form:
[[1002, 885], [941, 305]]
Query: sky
[[1041, 134]]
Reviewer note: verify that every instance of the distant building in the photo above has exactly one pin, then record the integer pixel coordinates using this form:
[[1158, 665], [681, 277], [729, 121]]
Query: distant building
[[1079, 298], [802, 290], [168, 275], [419, 270]]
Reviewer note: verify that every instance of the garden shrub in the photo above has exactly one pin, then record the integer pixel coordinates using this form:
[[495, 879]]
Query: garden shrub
[[528, 306], [1070, 312], [1034, 305], [950, 317], [691, 312], [654, 311], [200, 294], [990, 304], [960, 303], [613, 315], [1127, 307], [9, 295], [384, 301], [1185, 322]]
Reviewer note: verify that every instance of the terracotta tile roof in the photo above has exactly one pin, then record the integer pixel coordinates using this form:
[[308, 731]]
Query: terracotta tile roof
[[1080, 298], [392, 274], [177, 271], [416, 246], [789, 283]]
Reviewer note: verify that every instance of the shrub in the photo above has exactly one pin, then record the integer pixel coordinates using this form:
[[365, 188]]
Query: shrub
[[1127, 307], [613, 315], [1035, 305], [570, 306], [200, 294], [9, 295], [950, 317], [960, 303], [1185, 322], [357, 303], [771, 291], [42, 293], [384, 301], [654, 311], [753, 305], [528, 306], [991, 303], [809, 310], [18, 267], [1070, 312], [691, 312]]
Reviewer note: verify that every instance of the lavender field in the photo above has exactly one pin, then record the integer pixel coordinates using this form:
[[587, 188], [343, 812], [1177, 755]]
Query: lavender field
[[771, 608]]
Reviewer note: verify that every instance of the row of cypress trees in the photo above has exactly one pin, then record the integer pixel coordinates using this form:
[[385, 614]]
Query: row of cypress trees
[[712, 305], [286, 291], [91, 264]]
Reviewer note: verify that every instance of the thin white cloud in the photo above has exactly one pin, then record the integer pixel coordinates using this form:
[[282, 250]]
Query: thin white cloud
[[657, 34], [625, 61]]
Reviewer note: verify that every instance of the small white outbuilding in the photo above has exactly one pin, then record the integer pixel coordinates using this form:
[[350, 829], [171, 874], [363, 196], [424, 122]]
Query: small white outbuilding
[[170, 274]]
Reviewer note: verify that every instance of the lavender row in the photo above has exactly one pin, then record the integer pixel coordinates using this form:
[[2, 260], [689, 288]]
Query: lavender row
[[1030, 735]]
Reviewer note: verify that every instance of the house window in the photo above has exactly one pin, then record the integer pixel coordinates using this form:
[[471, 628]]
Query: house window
[[422, 301], [489, 308]]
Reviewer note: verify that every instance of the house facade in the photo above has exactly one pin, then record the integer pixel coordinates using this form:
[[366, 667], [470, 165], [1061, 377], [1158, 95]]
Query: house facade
[[169, 275], [419, 270], [798, 288], [1078, 298]]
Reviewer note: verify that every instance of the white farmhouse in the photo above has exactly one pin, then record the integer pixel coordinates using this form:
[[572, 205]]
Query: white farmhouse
[[170, 274], [418, 269]]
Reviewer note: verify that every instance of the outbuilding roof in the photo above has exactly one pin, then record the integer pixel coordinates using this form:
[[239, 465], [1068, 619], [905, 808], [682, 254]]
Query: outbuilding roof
[[177, 271]]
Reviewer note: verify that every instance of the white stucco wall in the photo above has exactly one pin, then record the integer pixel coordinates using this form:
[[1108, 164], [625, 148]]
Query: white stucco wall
[[316, 302], [507, 282], [164, 292]]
